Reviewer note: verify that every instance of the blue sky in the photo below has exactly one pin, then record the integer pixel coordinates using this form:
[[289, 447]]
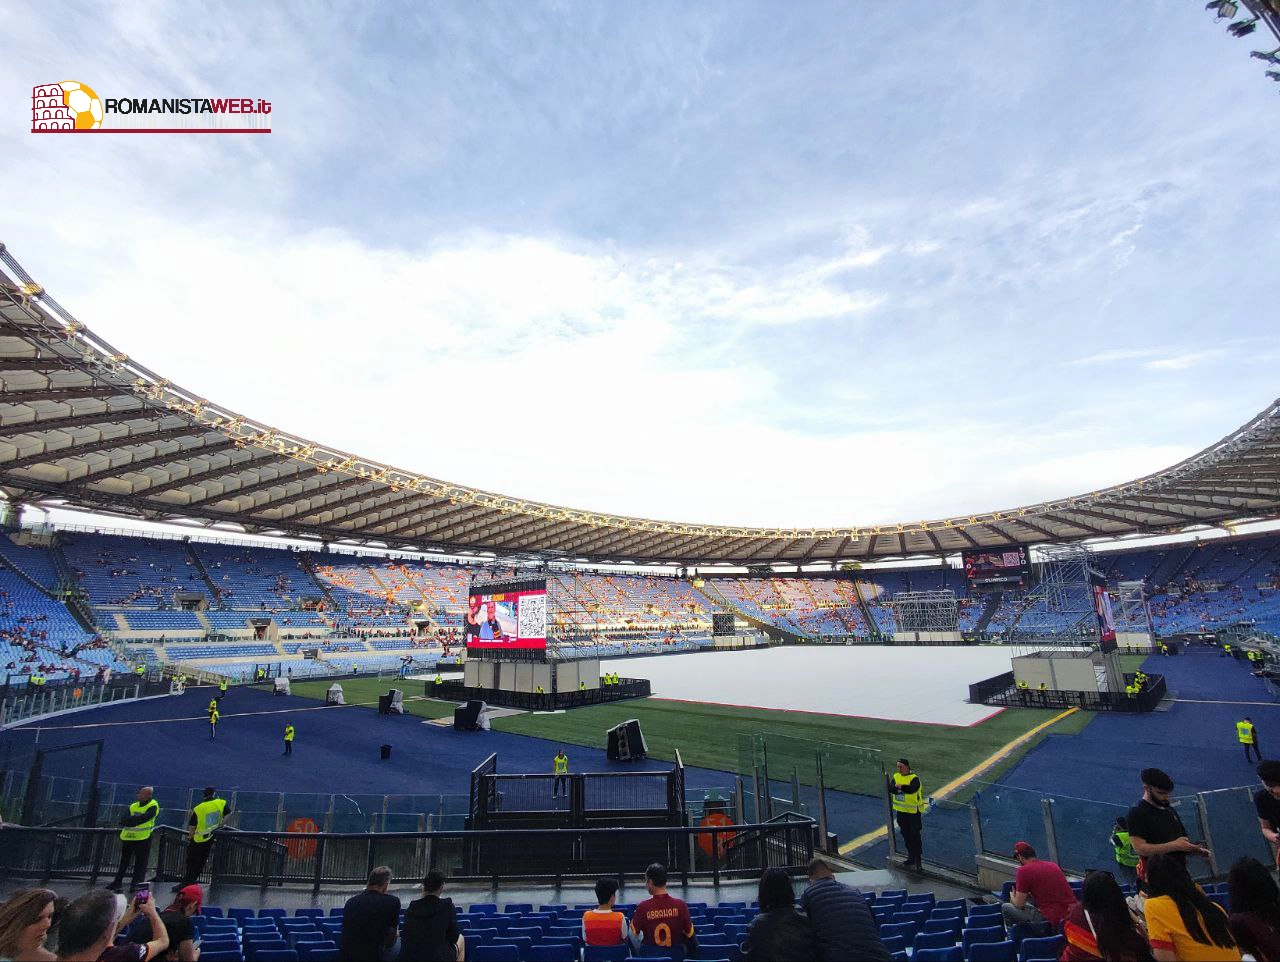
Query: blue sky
[[755, 263]]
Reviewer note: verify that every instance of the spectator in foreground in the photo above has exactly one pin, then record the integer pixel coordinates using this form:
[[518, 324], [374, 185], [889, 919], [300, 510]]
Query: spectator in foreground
[[779, 933], [1255, 910], [1043, 884], [1182, 922], [178, 925], [1154, 826], [1266, 802], [1100, 925], [89, 927], [843, 926], [662, 920], [431, 931], [24, 925], [603, 925], [370, 920]]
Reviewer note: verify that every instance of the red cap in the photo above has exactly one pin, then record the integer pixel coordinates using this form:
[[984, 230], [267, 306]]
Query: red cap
[[191, 893], [1024, 849]]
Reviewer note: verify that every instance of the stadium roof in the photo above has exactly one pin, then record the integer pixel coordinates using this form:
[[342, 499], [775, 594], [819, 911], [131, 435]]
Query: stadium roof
[[83, 425]]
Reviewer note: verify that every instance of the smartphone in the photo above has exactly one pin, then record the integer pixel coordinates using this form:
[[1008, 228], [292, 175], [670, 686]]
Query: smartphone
[[142, 896]]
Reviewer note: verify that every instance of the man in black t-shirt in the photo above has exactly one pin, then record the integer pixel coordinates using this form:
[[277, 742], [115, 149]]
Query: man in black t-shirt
[[370, 920], [1154, 826], [1266, 802]]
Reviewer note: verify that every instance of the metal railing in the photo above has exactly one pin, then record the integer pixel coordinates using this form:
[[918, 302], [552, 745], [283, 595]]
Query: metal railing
[[1000, 691], [320, 859]]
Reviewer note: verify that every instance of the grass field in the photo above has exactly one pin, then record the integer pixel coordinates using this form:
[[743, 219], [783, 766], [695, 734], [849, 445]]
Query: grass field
[[707, 735]]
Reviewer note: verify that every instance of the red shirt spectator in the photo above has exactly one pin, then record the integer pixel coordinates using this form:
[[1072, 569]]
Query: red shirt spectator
[[1045, 884]]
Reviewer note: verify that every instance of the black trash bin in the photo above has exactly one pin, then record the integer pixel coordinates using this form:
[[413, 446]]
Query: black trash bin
[[386, 752]]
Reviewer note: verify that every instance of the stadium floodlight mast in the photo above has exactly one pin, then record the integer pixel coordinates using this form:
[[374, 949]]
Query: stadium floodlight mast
[[1265, 12]]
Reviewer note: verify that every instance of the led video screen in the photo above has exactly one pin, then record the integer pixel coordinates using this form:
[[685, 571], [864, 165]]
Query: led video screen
[[508, 616], [1002, 566]]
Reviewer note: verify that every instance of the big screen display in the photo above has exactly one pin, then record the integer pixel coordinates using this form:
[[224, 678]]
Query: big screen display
[[509, 616], [1102, 608], [996, 566]]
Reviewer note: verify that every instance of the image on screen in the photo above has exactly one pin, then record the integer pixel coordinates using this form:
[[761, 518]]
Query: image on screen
[[996, 566], [506, 617]]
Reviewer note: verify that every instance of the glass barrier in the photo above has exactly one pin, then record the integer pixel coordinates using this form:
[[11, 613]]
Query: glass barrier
[[1232, 830], [947, 837], [1083, 830], [1007, 816]]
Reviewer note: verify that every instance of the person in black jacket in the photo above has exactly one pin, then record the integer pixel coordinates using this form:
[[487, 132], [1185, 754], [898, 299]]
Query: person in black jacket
[[779, 933], [843, 926], [430, 932]]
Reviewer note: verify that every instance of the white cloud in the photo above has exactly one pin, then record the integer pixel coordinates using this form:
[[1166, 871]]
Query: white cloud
[[1180, 362]]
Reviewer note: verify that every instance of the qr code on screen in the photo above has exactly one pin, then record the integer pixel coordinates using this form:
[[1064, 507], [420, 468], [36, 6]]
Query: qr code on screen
[[533, 617]]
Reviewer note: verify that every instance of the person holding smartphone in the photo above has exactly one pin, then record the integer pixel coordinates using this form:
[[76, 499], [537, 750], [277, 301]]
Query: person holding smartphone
[[89, 927], [184, 942]]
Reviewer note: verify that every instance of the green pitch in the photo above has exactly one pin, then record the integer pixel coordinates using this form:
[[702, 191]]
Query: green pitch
[[707, 735]]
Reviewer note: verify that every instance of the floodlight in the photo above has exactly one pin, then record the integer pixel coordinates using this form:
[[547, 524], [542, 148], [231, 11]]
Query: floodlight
[[1274, 75], [1226, 9], [1242, 28], [1272, 56]]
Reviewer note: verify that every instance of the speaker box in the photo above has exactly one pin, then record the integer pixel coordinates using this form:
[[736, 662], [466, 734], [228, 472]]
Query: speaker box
[[626, 742], [466, 717]]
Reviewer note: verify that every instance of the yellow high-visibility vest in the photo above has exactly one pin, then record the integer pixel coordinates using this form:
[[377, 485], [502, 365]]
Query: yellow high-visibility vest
[[1244, 732], [288, 733], [904, 801], [209, 816], [141, 831], [562, 764]]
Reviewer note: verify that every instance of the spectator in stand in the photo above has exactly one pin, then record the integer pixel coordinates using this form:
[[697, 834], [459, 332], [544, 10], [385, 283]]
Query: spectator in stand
[[1255, 910], [24, 925], [1155, 828], [603, 925], [431, 931], [1100, 925], [1043, 884], [779, 933], [661, 920], [177, 925], [89, 927], [843, 926], [1266, 802], [370, 921], [1183, 924]]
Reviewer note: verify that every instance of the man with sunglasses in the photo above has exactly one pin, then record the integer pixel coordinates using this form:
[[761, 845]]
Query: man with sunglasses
[[1154, 825]]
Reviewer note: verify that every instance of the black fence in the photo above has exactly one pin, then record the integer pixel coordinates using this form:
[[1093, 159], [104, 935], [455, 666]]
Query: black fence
[[1001, 691], [322, 859], [540, 701]]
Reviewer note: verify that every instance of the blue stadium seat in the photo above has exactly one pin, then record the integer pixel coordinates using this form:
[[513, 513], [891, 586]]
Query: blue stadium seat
[[905, 931], [961, 904], [950, 926], [533, 934], [494, 953], [992, 952], [521, 945], [241, 914], [931, 940], [272, 914], [971, 937], [222, 956], [894, 943], [518, 908], [605, 953], [316, 914], [211, 912], [552, 908], [317, 952], [482, 936], [552, 953], [1022, 931], [951, 954], [275, 955], [1041, 950], [485, 908]]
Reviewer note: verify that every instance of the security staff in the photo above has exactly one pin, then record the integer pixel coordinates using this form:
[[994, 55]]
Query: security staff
[[1226, 650], [206, 818], [135, 838], [262, 673], [1126, 857], [907, 796], [222, 689], [1164, 649], [288, 738], [561, 771], [1247, 735], [439, 680], [140, 670], [213, 723], [213, 706], [582, 686]]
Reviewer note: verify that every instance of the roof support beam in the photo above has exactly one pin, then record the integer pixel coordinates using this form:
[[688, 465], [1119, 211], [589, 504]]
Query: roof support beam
[[74, 421], [310, 494], [24, 395], [105, 444], [357, 498], [259, 457], [264, 485], [427, 525], [172, 456], [871, 546], [34, 364]]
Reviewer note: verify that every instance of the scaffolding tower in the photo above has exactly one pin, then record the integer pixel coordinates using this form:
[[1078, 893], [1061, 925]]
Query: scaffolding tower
[[926, 610], [1059, 610]]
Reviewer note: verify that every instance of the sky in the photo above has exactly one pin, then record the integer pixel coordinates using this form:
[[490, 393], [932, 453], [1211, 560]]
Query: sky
[[799, 264]]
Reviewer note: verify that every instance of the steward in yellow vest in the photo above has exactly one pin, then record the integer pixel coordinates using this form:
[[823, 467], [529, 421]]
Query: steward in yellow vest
[[222, 688], [135, 838], [213, 722], [1247, 735], [906, 795], [288, 739], [205, 819], [560, 768]]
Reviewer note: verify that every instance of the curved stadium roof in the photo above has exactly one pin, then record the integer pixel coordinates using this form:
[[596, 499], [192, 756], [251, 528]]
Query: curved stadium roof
[[83, 425]]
